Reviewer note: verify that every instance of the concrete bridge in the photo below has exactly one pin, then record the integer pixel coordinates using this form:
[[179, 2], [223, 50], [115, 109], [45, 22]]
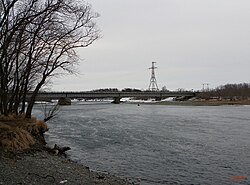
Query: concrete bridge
[[158, 95]]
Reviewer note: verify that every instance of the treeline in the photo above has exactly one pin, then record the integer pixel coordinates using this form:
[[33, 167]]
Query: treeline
[[38, 40], [130, 90], [106, 90], [116, 90], [229, 91]]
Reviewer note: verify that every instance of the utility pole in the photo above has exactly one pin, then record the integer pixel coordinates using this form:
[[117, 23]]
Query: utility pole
[[203, 87], [153, 84], [207, 86]]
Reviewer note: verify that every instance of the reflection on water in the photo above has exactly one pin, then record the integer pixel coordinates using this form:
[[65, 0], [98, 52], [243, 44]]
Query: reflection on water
[[157, 144]]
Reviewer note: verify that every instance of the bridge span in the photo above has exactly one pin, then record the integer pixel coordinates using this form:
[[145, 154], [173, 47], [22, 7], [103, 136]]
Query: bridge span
[[158, 95]]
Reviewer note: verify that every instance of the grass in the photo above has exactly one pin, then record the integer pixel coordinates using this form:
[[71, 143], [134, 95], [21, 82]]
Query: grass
[[18, 133]]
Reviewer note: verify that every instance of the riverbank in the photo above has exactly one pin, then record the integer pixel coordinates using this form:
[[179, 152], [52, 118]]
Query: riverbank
[[24, 158], [40, 167], [204, 103], [195, 103]]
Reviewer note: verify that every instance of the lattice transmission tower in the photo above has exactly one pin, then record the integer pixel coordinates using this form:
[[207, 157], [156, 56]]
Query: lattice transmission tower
[[153, 84]]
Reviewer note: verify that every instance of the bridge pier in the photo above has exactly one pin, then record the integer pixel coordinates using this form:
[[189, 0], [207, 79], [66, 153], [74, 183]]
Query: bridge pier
[[117, 100], [158, 98], [64, 101]]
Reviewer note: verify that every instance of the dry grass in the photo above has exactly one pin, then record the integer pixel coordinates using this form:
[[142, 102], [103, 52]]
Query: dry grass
[[34, 128], [15, 139], [18, 133]]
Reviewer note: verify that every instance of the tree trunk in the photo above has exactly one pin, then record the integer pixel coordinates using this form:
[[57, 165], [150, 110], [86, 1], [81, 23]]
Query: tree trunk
[[33, 98]]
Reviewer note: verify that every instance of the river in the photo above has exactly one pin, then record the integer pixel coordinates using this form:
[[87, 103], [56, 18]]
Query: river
[[157, 144]]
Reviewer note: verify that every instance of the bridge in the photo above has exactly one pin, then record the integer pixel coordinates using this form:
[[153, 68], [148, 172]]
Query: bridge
[[158, 95]]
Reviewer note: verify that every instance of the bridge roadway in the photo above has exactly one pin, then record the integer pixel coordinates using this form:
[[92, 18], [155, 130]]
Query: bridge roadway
[[115, 95]]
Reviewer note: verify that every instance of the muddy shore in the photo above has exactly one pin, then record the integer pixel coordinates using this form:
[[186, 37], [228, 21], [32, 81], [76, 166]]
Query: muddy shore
[[41, 167]]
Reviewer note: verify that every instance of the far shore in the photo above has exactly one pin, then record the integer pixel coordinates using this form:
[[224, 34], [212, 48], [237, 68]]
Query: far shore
[[195, 103], [206, 103]]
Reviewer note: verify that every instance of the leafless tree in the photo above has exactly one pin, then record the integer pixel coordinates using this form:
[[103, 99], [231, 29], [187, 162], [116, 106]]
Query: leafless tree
[[38, 40]]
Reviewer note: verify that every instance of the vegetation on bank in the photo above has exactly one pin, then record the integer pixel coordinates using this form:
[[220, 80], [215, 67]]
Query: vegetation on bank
[[229, 92], [18, 133]]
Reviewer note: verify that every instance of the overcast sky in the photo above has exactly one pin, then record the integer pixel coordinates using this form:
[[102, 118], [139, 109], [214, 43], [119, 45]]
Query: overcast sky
[[192, 41]]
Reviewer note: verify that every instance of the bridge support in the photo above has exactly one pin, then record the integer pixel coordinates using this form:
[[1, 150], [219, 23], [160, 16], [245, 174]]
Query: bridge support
[[64, 101], [117, 100], [158, 98]]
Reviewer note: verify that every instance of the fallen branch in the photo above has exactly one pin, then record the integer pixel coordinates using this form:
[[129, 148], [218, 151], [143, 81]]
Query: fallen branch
[[60, 150]]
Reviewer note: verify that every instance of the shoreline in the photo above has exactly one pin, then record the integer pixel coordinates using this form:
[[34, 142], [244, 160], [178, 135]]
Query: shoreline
[[39, 167], [204, 103], [26, 159], [193, 103]]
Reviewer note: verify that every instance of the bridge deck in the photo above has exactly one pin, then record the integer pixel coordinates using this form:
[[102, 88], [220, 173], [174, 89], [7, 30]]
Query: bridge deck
[[72, 95]]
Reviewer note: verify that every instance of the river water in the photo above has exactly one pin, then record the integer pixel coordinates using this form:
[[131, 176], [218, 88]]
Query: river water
[[157, 144]]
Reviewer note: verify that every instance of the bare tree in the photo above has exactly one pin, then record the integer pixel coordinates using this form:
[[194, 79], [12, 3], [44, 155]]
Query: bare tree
[[38, 40]]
